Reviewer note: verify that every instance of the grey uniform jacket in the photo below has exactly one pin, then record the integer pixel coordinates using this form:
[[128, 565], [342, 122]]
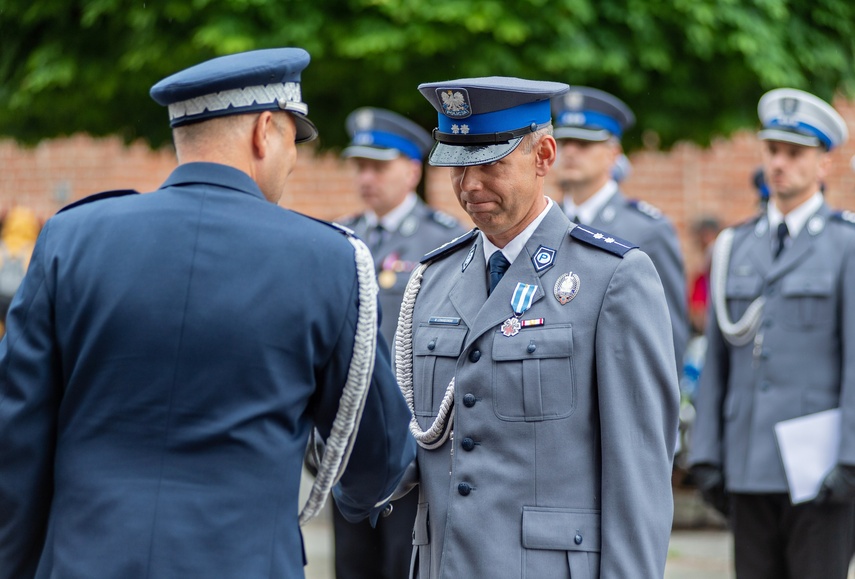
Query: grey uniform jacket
[[802, 361], [423, 230], [647, 227], [564, 434]]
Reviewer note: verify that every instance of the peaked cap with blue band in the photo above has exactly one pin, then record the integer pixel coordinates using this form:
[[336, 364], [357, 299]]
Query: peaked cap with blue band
[[796, 116], [247, 82], [484, 119], [590, 114], [382, 135]]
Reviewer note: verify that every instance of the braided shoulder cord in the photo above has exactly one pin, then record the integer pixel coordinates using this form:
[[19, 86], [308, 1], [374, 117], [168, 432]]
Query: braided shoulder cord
[[439, 431], [339, 445], [742, 331]]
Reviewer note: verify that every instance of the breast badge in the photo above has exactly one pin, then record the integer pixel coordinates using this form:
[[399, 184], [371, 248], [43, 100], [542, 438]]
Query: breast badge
[[566, 287]]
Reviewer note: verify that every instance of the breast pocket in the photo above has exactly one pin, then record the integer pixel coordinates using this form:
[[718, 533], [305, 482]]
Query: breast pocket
[[556, 539], [740, 291], [808, 300], [533, 374], [435, 349]]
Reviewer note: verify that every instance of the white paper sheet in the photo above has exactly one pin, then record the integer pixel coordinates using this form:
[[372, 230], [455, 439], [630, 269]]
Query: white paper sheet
[[809, 446]]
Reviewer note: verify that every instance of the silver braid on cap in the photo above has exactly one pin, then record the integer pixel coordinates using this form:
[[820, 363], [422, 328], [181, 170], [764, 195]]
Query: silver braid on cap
[[439, 431], [742, 331], [339, 445]]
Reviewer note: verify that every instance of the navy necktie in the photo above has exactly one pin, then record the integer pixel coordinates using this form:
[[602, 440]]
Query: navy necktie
[[783, 234], [499, 264]]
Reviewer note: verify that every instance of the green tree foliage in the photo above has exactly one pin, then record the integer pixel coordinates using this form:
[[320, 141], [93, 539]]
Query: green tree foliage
[[691, 69]]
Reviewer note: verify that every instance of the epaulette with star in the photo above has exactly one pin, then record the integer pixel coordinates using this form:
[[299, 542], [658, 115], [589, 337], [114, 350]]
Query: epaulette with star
[[99, 197], [450, 247], [601, 239], [844, 217], [645, 208], [443, 219]]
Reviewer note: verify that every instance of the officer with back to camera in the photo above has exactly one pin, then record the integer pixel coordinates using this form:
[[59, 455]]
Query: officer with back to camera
[[538, 360], [387, 152], [169, 353], [589, 124], [781, 345]]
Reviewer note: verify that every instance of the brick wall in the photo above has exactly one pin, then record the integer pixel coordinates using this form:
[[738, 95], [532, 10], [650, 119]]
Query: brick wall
[[686, 183]]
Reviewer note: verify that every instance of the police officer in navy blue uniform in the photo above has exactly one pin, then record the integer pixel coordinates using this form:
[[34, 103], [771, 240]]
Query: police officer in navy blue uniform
[[387, 152], [538, 360], [169, 353], [781, 345], [589, 124]]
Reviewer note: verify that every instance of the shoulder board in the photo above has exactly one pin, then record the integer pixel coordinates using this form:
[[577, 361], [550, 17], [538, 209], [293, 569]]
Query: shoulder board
[[450, 247], [99, 197], [844, 217], [645, 208], [443, 219], [601, 239]]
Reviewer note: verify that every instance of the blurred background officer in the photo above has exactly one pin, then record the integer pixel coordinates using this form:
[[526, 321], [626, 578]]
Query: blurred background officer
[[537, 354], [168, 354], [387, 152], [781, 345], [589, 124]]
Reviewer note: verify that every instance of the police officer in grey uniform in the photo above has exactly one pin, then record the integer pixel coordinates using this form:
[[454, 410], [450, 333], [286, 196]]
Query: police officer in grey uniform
[[387, 151], [782, 345], [589, 124], [538, 361]]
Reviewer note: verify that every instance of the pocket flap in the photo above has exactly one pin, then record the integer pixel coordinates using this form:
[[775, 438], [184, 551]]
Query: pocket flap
[[815, 285], [561, 529], [534, 343], [743, 286], [439, 341]]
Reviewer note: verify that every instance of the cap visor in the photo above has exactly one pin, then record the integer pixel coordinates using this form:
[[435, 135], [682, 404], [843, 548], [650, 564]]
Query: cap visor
[[444, 155], [582, 134], [375, 153], [788, 137], [306, 129]]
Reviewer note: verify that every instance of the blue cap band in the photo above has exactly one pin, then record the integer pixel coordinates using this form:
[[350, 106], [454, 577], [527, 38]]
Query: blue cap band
[[590, 120], [498, 121], [803, 129], [388, 140]]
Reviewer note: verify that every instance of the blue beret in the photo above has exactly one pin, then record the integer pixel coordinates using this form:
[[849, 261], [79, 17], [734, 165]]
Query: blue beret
[[383, 135], [484, 119], [589, 114], [247, 82], [798, 117]]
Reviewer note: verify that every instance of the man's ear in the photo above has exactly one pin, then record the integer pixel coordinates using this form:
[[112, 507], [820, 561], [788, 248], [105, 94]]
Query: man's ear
[[545, 155], [261, 133]]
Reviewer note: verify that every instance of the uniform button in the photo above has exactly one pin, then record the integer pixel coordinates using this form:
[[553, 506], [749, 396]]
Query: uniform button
[[469, 400], [764, 386], [464, 489], [474, 355], [468, 443], [432, 344], [767, 323], [577, 539], [531, 347]]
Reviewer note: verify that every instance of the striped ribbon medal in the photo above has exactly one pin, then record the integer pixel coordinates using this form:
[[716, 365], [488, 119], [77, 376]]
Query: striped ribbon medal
[[520, 302]]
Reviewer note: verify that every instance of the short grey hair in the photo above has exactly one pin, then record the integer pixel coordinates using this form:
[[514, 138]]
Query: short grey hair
[[532, 140]]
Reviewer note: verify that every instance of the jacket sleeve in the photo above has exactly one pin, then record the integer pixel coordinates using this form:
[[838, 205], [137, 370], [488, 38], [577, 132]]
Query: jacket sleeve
[[384, 446], [30, 392], [638, 405], [847, 340]]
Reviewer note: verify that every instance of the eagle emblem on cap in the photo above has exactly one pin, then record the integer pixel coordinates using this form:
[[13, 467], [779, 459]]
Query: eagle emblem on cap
[[364, 119], [455, 103], [789, 106], [574, 100]]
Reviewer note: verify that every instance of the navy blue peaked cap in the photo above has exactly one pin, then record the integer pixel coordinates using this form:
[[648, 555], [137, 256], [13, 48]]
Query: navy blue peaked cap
[[247, 82], [590, 114], [484, 119], [383, 135]]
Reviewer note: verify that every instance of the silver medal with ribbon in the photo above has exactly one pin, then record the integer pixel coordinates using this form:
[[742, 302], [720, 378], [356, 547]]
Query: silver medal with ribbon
[[520, 302]]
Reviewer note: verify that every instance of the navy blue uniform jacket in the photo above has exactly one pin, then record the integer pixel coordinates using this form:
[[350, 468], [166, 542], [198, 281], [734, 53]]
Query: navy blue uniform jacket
[[166, 358]]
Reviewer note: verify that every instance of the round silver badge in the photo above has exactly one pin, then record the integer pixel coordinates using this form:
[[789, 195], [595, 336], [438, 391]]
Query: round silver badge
[[566, 287]]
